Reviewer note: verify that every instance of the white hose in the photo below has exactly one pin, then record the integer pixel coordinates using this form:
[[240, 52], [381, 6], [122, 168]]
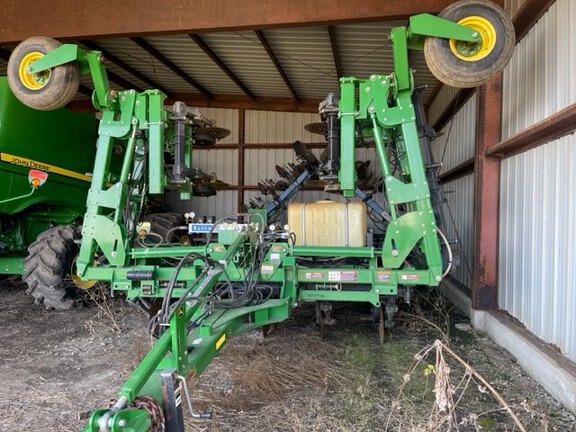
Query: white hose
[[450, 255], [103, 421]]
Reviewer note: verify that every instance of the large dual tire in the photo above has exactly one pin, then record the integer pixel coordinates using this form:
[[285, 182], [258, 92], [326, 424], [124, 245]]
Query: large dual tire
[[461, 64], [46, 90], [165, 224], [48, 268]]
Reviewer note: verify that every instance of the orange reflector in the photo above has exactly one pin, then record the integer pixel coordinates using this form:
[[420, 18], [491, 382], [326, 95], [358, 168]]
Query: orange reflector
[[37, 178]]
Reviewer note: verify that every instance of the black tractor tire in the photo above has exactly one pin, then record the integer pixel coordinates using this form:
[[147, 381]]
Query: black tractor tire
[[48, 266], [448, 68], [163, 224], [48, 90]]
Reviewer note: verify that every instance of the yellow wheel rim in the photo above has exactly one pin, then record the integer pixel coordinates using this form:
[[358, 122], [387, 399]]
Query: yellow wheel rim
[[32, 81], [474, 51], [82, 284]]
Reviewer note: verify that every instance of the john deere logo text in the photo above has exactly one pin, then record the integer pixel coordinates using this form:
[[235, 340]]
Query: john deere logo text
[[30, 164]]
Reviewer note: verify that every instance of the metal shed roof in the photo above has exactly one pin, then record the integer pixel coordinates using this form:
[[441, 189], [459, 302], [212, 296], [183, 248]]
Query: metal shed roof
[[298, 65]]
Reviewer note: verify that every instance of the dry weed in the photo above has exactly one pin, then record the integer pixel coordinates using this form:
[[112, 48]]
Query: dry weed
[[108, 315]]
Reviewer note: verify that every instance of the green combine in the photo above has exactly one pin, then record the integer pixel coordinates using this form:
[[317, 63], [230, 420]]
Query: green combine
[[46, 161], [240, 273]]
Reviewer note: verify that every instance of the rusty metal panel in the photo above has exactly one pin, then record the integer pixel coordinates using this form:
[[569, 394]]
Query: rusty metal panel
[[459, 221], [486, 185], [455, 145], [539, 80], [271, 127], [537, 243]]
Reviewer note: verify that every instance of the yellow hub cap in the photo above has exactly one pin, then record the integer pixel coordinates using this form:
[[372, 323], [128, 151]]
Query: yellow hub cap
[[474, 51], [32, 81], [82, 284]]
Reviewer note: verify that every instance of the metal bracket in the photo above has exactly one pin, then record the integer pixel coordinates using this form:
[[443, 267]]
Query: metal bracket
[[172, 397]]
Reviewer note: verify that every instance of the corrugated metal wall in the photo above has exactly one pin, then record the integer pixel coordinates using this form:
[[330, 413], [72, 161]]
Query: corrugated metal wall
[[270, 127], [260, 164], [225, 118], [440, 102], [261, 127], [537, 260], [267, 127], [455, 145], [537, 278], [539, 80], [223, 163], [459, 221]]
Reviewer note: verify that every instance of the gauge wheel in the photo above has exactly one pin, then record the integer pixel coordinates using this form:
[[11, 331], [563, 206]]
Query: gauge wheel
[[47, 90], [471, 64]]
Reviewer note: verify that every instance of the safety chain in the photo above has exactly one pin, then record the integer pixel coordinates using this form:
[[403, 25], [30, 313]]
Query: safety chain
[[152, 407]]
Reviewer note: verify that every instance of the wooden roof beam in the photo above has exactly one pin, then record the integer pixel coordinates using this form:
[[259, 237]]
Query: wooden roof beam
[[142, 43], [277, 64], [113, 19], [223, 66]]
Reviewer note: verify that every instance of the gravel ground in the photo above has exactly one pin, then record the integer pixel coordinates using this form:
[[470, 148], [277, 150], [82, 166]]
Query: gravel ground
[[57, 367]]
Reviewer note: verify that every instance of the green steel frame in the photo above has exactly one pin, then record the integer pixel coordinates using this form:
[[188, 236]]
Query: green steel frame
[[381, 106]]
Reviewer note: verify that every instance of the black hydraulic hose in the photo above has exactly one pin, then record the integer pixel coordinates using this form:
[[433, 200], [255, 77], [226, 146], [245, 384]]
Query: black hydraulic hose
[[172, 282]]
